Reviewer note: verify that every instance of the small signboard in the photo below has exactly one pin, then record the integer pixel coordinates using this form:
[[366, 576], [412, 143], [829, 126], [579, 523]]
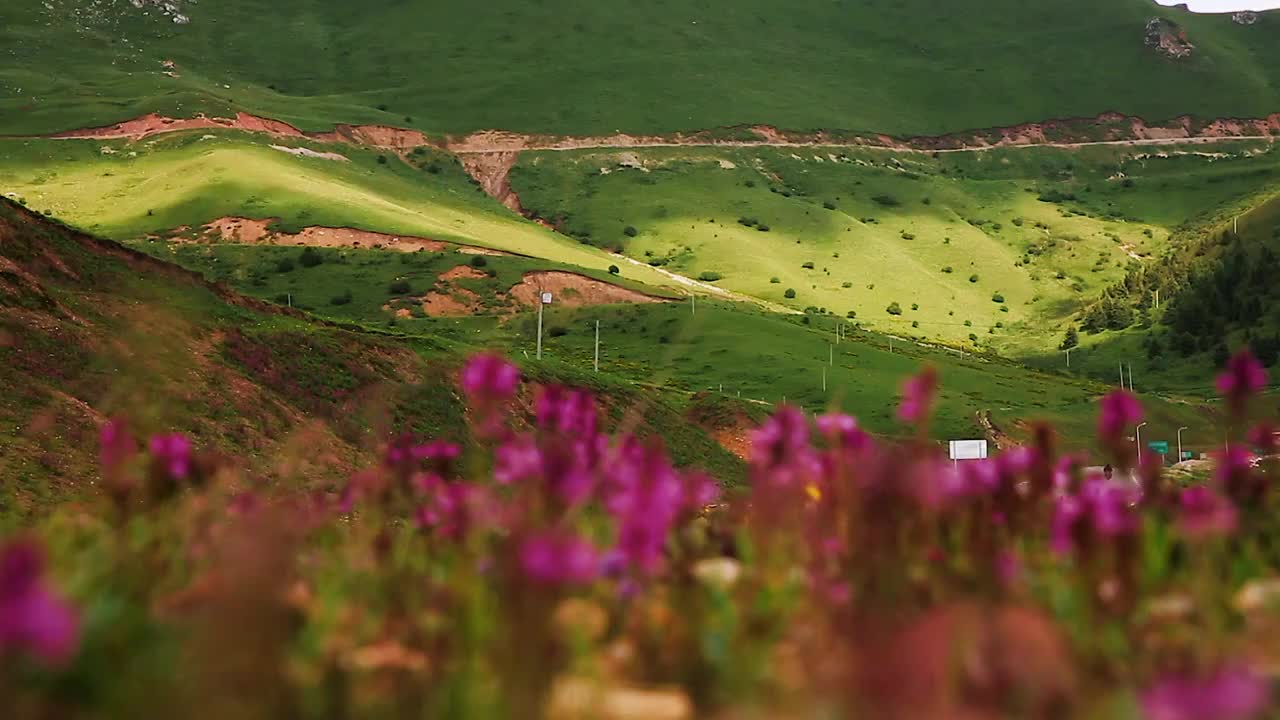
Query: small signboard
[[546, 298], [968, 449], [1188, 455], [1159, 446]]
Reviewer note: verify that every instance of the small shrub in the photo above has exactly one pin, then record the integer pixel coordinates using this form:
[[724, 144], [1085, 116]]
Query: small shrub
[[790, 294], [709, 276], [807, 266], [762, 228], [829, 205], [479, 261], [400, 287], [968, 323], [343, 299], [630, 231], [947, 270], [382, 159], [908, 236], [973, 338], [846, 285], [886, 200], [774, 280], [310, 258], [851, 314], [894, 309], [973, 278], [750, 183], [613, 270], [558, 331], [996, 297], [915, 323], [915, 306], [285, 265]]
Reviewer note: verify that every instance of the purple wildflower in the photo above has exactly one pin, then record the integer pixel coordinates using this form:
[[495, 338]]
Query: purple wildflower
[[1264, 437], [1067, 514], [32, 619], [1228, 694], [780, 447], [843, 431], [489, 378], [1243, 377], [517, 459], [554, 558], [115, 444], [570, 412], [1203, 513], [1118, 410], [173, 453], [917, 396]]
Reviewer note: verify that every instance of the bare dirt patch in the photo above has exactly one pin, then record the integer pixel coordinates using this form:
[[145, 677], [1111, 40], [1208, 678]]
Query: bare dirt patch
[[573, 290], [462, 272], [240, 230], [247, 231], [493, 172], [456, 302]]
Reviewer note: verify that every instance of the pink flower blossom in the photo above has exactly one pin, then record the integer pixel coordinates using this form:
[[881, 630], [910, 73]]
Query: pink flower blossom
[[32, 619], [917, 396], [557, 558], [489, 378], [1243, 377], [115, 444], [1203, 513], [1229, 694], [1118, 410], [782, 444], [173, 453]]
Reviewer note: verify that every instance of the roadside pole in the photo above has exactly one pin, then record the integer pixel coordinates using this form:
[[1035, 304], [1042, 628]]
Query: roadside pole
[[597, 365], [539, 327]]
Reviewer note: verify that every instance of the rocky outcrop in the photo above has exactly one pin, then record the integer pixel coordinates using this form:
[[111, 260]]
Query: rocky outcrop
[[1168, 38], [1248, 17]]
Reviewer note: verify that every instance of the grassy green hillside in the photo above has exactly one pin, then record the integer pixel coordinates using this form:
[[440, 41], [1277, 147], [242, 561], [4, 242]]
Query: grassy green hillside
[[570, 66], [732, 351], [127, 190], [995, 248], [90, 330]]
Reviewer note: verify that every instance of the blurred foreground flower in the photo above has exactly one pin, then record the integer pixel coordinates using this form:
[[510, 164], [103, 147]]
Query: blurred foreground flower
[[1242, 378], [32, 619], [917, 396], [1119, 409], [1228, 694]]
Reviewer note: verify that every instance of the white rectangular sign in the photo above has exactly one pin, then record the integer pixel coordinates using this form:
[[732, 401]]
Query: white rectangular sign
[[546, 298], [968, 449]]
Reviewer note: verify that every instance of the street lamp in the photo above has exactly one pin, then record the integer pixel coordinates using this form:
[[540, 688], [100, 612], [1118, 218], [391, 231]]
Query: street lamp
[[1139, 443], [1180, 443]]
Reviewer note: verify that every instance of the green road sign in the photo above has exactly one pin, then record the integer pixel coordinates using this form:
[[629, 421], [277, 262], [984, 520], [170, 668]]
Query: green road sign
[[1188, 455], [1159, 446]]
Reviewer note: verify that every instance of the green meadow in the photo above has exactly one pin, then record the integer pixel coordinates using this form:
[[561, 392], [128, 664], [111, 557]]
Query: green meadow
[[128, 190], [905, 67], [995, 249]]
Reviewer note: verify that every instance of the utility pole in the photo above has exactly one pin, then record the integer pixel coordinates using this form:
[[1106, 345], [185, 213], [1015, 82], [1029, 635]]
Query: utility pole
[[1068, 358], [543, 299], [1130, 377], [290, 299], [1138, 439], [1157, 298], [597, 346], [1121, 376], [693, 304], [824, 379], [831, 355], [1180, 444]]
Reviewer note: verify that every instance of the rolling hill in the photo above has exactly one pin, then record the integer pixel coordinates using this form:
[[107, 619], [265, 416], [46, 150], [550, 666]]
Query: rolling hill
[[905, 68], [91, 330]]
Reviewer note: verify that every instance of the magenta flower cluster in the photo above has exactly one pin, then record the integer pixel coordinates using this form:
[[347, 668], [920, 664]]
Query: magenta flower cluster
[[33, 619]]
